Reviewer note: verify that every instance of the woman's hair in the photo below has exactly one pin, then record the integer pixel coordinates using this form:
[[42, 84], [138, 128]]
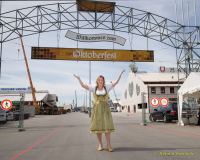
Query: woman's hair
[[103, 83]]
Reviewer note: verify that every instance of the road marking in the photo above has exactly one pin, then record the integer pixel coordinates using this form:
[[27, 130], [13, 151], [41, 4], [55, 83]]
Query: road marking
[[39, 141]]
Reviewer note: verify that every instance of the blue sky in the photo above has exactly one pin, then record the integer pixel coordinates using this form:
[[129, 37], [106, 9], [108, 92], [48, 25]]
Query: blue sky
[[57, 76]]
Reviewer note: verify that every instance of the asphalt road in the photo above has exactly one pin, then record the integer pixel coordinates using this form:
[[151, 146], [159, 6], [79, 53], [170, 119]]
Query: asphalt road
[[67, 137]]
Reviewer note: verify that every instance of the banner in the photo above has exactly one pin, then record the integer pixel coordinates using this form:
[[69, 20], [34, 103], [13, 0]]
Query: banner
[[14, 90], [91, 54], [95, 37]]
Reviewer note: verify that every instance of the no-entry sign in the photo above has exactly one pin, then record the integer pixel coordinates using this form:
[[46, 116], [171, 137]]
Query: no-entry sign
[[154, 102], [6, 104]]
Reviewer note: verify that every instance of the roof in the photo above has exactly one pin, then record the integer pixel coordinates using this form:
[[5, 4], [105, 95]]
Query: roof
[[191, 84], [159, 77], [28, 96], [164, 85]]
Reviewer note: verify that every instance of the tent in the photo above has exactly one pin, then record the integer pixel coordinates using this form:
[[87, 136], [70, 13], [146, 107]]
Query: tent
[[190, 88]]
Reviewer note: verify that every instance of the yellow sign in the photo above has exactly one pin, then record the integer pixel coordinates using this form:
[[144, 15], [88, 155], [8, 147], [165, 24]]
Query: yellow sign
[[78, 54], [95, 6]]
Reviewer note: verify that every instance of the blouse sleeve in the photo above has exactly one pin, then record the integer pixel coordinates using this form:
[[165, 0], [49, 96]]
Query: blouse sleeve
[[91, 88], [109, 87]]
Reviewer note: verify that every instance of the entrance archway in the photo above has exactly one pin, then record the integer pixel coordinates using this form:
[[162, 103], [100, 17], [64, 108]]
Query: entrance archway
[[62, 16]]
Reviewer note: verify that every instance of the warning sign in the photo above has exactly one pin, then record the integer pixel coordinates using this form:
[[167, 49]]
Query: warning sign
[[6, 104], [164, 102], [154, 102]]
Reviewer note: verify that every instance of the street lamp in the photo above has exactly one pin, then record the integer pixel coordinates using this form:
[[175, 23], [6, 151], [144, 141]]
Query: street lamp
[[133, 67]]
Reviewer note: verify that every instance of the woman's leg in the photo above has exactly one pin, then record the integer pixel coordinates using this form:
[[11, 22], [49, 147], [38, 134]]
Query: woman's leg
[[108, 141], [99, 137]]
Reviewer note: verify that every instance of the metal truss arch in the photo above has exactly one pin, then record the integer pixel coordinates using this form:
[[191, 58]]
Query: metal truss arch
[[63, 16]]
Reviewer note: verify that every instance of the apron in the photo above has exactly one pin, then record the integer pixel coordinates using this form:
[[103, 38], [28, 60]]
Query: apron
[[101, 119]]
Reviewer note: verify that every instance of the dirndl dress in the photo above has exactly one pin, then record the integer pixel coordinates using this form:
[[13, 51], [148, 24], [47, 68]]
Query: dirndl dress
[[101, 119]]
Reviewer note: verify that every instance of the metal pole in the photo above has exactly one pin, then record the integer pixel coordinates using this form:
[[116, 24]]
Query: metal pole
[[90, 105], [1, 39], [21, 113], [86, 99], [1, 49], [75, 101]]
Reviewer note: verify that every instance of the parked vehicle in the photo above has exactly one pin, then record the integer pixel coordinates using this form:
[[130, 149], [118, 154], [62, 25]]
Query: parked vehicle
[[166, 114], [190, 113], [112, 109], [3, 119], [9, 115], [16, 115]]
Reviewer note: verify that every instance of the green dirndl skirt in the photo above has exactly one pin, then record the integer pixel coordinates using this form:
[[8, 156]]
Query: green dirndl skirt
[[101, 119]]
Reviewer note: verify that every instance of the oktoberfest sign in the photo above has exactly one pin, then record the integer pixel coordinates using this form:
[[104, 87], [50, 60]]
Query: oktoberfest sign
[[85, 54], [95, 37]]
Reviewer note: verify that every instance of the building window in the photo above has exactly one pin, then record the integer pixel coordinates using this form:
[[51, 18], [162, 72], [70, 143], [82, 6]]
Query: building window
[[171, 89], [162, 89], [153, 90]]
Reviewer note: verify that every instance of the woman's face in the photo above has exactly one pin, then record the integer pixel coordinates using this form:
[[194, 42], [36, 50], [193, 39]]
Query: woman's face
[[100, 82]]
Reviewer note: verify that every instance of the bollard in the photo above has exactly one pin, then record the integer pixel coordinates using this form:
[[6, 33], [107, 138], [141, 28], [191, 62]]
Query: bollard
[[21, 114], [144, 123]]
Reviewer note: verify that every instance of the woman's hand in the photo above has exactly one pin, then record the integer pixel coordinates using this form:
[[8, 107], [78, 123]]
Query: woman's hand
[[114, 83], [122, 72], [81, 83], [76, 76]]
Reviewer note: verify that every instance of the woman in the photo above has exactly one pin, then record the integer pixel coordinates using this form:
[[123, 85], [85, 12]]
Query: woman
[[101, 120]]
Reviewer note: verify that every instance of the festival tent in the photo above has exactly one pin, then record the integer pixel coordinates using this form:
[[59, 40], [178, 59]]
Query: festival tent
[[190, 88]]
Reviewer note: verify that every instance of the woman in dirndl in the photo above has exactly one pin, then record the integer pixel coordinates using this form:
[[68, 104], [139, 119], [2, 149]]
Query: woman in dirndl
[[101, 119]]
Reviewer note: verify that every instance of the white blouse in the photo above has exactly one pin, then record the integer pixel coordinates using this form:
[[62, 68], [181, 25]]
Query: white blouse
[[102, 91]]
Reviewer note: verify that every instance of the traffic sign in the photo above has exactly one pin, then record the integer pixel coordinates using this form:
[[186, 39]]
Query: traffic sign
[[6, 104], [164, 102], [154, 102]]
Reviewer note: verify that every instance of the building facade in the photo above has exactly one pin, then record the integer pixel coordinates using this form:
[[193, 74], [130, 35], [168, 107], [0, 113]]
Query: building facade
[[142, 88]]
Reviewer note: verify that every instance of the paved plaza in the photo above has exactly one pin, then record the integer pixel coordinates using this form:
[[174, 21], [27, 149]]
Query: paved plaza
[[67, 137]]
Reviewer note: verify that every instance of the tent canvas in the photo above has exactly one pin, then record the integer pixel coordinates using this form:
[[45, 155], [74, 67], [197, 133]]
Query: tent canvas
[[191, 87]]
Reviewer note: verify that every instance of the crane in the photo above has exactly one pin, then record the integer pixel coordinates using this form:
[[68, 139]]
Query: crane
[[37, 108]]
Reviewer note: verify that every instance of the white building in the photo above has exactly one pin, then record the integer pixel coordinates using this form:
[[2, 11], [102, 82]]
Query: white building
[[153, 85]]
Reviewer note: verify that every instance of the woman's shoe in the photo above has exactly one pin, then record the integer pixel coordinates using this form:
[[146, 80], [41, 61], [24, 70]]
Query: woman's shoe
[[100, 149], [109, 149]]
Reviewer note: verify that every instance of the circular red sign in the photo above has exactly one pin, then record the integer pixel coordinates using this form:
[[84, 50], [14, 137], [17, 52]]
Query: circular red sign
[[6, 104], [154, 102], [164, 102]]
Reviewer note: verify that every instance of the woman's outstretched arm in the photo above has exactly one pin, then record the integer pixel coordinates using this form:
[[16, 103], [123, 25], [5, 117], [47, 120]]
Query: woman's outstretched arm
[[81, 82], [119, 77]]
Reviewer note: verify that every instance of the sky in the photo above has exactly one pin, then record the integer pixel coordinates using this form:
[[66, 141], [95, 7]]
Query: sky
[[57, 76]]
